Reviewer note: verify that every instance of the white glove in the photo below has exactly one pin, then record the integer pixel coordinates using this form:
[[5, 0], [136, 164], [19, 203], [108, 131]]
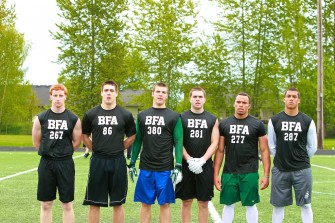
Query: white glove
[[192, 165], [195, 164]]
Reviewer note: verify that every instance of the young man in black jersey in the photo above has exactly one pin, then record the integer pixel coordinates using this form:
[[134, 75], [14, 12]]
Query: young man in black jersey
[[292, 142], [240, 137], [104, 129], [56, 134], [160, 131], [201, 137]]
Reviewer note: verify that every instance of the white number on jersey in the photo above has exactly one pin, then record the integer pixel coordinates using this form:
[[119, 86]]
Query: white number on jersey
[[237, 139], [107, 130], [290, 136], [56, 135], [154, 130], [196, 133]]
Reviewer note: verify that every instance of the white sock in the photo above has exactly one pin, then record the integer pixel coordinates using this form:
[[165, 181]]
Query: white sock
[[278, 214], [251, 214], [307, 213], [228, 213]]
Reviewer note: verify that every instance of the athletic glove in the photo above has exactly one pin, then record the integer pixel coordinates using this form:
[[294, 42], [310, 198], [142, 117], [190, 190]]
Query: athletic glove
[[191, 165], [176, 174], [132, 171], [195, 165]]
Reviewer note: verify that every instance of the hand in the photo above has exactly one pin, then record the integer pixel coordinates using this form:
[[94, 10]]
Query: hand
[[195, 164], [217, 183], [132, 171], [264, 183], [176, 174]]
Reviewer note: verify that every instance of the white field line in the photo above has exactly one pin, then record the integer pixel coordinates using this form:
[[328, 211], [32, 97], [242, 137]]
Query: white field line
[[323, 182], [322, 193], [216, 217], [27, 171], [323, 167], [214, 214], [212, 211]]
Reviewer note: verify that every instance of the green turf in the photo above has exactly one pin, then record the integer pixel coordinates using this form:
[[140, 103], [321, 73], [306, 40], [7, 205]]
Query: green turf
[[18, 194], [16, 140]]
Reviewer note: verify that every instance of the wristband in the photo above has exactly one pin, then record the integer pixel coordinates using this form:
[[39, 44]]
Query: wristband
[[267, 176]]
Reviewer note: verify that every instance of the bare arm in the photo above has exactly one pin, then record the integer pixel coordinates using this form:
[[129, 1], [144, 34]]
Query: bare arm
[[214, 141], [76, 135], [218, 158], [87, 141], [186, 156], [129, 141], [36, 133], [265, 154]]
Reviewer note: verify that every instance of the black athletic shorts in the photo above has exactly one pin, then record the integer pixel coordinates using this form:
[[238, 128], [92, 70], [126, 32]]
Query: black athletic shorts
[[56, 174], [107, 177], [196, 186]]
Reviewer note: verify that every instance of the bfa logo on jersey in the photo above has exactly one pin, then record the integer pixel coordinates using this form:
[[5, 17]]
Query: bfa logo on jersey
[[107, 120], [154, 120], [239, 129], [57, 124], [291, 126], [197, 123]]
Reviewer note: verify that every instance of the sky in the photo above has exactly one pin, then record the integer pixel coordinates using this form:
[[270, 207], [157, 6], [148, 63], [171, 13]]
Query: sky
[[36, 18]]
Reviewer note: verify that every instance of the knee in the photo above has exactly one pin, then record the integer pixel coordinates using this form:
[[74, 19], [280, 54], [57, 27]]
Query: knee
[[187, 203], [67, 206], [46, 205], [203, 204]]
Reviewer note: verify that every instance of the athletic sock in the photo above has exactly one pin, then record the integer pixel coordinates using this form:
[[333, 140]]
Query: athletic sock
[[278, 214], [228, 213], [251, 214], [307, 213]]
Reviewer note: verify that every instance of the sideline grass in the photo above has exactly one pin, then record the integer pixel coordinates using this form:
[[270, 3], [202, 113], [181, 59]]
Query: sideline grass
[[16, 140], [19, 204]]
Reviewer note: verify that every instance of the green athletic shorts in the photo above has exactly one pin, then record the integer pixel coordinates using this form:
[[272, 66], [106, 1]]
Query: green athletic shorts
[[239, 187]]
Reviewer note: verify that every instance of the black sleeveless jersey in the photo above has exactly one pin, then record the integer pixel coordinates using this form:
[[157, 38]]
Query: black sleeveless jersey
[[57, 131], [108, 128], [197, 130], [157, 126], [291, 140], [241, 144]]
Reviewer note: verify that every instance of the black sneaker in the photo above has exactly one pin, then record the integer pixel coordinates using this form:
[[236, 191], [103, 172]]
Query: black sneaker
[[86, 155]]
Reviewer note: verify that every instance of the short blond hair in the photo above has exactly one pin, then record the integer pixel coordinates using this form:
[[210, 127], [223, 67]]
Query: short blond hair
[[198, 88]]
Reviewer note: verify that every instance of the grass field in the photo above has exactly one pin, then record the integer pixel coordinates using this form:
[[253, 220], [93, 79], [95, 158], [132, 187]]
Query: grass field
[[18, 194]]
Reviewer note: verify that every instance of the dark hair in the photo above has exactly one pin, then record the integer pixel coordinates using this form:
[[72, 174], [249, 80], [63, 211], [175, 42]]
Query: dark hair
[[109, 82], [292, 89], [160, 84], [198, 88], [243, 94]]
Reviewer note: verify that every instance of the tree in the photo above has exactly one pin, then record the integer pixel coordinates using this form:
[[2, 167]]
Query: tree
[[163, 37], [93, 48], [14, 90]]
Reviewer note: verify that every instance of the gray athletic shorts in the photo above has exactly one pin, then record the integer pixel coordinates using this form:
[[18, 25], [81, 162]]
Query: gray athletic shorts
[[282, 183]]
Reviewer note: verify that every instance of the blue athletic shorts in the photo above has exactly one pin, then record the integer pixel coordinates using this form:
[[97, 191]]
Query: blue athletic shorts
[[151, 185]]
